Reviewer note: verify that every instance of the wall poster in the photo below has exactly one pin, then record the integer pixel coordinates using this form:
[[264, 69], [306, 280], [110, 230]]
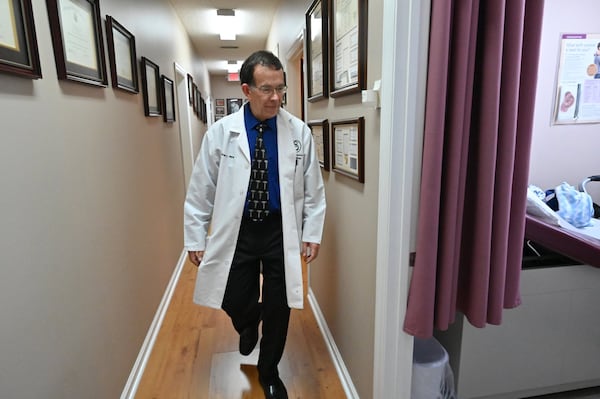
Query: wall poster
[[578, 80]]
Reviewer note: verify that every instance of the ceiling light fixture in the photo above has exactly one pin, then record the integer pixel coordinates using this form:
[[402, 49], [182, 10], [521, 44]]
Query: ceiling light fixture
[[227, 23]]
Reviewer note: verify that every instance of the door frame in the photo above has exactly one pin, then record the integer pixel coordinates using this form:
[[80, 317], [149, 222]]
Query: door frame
[[185, 124]]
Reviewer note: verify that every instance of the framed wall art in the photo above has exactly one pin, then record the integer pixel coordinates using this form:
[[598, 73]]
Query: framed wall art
[[197, 97], [121, 56], [194, 97], [75, 26], [234, 105], [168, 99], [348, 47], [348, 148], [190, 88], [18, 42], [151, 87], [320, 132], [316, 65]]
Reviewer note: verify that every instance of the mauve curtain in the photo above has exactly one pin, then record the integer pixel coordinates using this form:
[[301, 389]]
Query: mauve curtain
[[482, 74]]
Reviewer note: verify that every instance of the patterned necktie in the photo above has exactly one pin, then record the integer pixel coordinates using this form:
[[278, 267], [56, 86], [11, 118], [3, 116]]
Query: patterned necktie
[[258, 198]]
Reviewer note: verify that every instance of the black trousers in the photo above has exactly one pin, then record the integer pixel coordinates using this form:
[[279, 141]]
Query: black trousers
[[260, 243]]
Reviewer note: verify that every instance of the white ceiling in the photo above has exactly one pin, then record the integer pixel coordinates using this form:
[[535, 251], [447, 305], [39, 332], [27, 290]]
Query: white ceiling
[[253, 20]]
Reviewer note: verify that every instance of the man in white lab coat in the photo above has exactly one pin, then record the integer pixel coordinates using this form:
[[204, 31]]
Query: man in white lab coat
[[224, 235]]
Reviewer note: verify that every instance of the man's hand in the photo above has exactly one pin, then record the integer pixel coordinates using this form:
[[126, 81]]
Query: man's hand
[[195, 257], [310, 250]]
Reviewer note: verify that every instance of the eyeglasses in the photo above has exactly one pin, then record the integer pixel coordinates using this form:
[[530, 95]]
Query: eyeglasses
[[268, 90]]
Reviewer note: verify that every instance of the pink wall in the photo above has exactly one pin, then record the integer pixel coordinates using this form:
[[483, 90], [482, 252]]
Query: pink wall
[[562, 152]]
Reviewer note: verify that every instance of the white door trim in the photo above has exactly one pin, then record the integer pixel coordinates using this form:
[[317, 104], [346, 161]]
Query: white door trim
[[404, 61], [185, 129]]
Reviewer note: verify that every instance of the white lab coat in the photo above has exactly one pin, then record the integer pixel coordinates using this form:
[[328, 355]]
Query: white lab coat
[[217, 193]]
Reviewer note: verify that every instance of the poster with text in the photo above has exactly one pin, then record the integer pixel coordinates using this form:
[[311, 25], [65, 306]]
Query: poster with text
[[578, 85]]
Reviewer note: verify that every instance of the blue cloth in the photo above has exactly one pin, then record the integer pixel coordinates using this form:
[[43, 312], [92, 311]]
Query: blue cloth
[[270, 142], [574, 206]]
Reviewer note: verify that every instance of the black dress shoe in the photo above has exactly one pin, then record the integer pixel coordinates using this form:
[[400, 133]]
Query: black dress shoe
[[249, 338], [274, 389]]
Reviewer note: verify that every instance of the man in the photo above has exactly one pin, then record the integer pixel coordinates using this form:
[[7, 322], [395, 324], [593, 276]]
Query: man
[[256, 226]]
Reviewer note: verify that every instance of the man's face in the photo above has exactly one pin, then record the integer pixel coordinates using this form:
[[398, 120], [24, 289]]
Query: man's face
[[263, 96]]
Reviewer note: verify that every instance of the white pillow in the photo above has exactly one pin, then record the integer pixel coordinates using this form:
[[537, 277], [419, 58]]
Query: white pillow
[[538, 208]]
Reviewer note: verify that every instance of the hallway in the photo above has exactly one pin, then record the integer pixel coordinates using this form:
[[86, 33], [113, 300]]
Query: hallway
[[196, 355]]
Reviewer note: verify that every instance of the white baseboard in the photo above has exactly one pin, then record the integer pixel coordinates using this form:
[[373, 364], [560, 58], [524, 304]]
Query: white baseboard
[[140, 364], [338, 362]]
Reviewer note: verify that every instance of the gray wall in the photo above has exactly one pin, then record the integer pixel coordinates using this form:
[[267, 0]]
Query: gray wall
[[343, 277], [91, 207]]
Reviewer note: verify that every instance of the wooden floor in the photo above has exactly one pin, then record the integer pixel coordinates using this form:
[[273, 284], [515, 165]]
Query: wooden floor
[[196, 356]]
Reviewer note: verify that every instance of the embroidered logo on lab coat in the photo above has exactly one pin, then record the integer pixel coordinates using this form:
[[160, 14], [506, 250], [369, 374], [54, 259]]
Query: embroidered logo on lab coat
[[298, 145]]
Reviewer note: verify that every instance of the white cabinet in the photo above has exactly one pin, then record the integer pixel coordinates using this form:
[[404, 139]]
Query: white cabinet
[[550, 343]]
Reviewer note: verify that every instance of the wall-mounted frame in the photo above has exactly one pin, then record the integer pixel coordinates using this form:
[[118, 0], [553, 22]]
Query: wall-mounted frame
[[190, 88], [18, 42], [234, 105], [320, 132], [121, 56], [151, 87], [168, 99], [220, 102], [194, 97], [347, 46], [317, 54], [202, 110], [197, 97], [348, 148], [75, 26]]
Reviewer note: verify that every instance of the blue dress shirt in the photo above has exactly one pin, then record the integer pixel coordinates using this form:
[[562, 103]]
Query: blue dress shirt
[[270, 142]]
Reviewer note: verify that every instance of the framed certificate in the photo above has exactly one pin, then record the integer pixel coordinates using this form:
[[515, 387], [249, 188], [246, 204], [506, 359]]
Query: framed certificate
[[75, 26], [18, 43], [151, 87], [316, 65], [348, 148], [121, 56], [168, 99], [348, 47], [320, 132]]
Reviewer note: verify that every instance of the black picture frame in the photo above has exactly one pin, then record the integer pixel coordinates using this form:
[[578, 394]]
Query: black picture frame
[[320, 131], [347, 47], [195, 93], [348, 135], [151, 87], [190, 87], [122, 56], [19, 54], [168, 99], [317, 54], [234, 105], [76, 59]]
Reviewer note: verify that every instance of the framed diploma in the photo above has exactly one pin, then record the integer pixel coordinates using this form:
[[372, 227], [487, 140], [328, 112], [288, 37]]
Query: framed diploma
[[168, 99], [75, 26], [320, 132], [121, 56], [18, 43], [348, 148], [348, 47], [151, 87], [316, 65]]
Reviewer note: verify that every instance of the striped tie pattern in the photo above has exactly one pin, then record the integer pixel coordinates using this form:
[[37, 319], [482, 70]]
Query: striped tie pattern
[[258, 198]]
